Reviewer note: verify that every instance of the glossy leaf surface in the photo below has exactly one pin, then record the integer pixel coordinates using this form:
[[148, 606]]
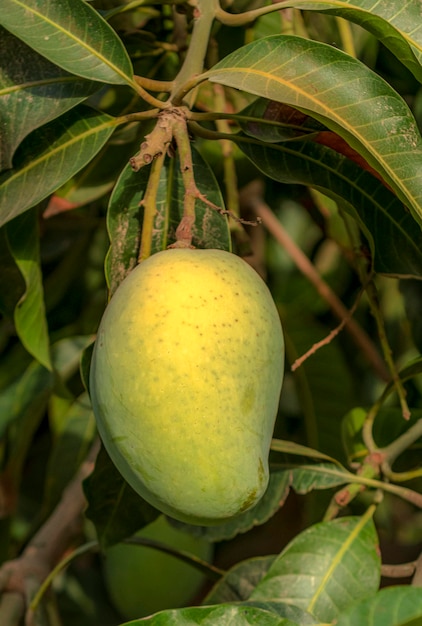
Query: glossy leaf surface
[[70, 34], [33, 91], [397, 25], [242, 614], [317, 570], [394, 606], [49, 156], [340, 92], [395, 238]]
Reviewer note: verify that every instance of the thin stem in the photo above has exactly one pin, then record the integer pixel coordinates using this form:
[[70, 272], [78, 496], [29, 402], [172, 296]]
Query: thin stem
[[401, 570], [211, 571], [241, 19], [143, 93], [193, 64], [154, 85], [230, 176], [262, 210], [87, 547], [368, 424], [149, 203], [402, 443], [372, 294]]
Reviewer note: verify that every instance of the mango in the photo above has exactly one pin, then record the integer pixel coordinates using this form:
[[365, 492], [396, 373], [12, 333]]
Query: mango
[[185, 381], [143, 580]]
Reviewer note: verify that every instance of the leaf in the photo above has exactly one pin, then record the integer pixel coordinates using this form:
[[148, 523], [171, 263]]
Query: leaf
[[70, 34], [393, 606], [125, 215], [98, 178], [306, 478], [274, 497], [51, 155], [394, 238], [388, 426], [238, 583], [30, 315], [340, 92], [12, 285], [317, 570], [113, 506], [33, 92], [290, 447], [245, 614], [397, 26]]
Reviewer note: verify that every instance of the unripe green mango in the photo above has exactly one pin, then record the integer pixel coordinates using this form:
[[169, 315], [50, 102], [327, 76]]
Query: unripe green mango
[[143, 580], [185, 382]]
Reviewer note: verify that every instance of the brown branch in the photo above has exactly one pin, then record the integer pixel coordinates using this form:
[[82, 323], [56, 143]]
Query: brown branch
[[21, 577], [252, 198], [417, 577], [401, 570]]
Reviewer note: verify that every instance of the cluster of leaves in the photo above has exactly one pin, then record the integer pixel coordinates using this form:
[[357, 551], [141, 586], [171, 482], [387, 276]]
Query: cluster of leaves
[[319, 99]]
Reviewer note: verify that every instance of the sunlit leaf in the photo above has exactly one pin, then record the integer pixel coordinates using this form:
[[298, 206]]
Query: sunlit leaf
[[49, 156], [317, 570], [340, 92], [71, 34], [33, 91], [398, 26]]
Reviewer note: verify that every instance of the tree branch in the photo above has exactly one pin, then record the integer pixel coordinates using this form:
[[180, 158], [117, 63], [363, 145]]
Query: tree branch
[[252, 198], [21, 577]]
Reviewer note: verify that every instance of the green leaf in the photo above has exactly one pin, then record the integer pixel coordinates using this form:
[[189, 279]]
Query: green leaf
[[51, 155], [125, 215], [393, 606], [340, 92], [317, 570], [70, 34], [398, 26], [113, 506], [33, 92], [394, 238], [245, 614], [99, 176], [12, 285], [239, 581], [30, 316], [306, 478], [274, 497]]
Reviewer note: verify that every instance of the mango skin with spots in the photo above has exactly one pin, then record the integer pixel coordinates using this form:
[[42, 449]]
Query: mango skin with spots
[[185, 381]]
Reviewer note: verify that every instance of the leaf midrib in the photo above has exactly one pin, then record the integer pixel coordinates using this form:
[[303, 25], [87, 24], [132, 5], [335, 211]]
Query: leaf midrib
[[83, 44], [342, 123], [63, 146]]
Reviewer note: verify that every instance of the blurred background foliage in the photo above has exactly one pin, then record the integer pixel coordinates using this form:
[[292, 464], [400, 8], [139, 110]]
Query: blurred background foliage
[[46, 423]]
